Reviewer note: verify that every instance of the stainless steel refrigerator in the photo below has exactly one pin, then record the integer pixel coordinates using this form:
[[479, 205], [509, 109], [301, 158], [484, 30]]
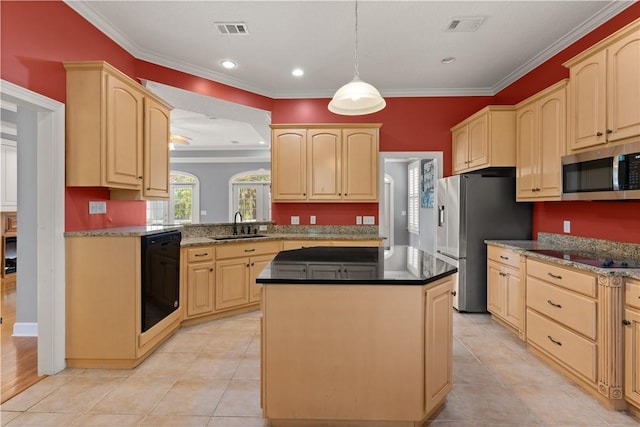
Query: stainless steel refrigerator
[[473, 207]]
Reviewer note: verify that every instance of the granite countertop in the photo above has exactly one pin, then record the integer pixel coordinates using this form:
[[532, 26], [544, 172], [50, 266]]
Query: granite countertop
[[528, 248], [130, 230], [209, 240], [403, 265]]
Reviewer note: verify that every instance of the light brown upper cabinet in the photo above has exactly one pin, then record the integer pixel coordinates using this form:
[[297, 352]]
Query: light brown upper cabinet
[[485, 139], [117, 133], [325, 163], [604, 91], [540, 143]]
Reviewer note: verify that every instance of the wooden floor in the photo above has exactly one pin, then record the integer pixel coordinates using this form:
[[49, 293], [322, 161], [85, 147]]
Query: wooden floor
[[19, 364]]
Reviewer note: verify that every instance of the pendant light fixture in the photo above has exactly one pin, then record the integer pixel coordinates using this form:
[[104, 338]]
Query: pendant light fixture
[[356, 97]]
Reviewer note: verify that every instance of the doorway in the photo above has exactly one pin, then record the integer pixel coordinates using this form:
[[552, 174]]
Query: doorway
[[43, 225], [395, 164]]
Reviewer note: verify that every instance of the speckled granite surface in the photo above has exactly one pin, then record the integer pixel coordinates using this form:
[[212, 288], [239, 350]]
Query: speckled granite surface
[[605, 248], [131, 230]]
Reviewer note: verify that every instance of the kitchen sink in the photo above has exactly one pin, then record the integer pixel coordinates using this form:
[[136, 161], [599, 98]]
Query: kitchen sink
[[240, 236]]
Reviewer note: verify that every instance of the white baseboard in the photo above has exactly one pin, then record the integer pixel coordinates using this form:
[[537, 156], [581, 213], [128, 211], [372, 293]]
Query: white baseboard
[[25, 329]]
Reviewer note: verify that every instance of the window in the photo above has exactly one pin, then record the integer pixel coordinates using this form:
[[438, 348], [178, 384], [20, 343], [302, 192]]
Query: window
[[251, 195], [414, 197], [183, 206]]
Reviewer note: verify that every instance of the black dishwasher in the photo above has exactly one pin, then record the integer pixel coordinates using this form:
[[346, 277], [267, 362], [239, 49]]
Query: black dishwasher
[[160, 276]]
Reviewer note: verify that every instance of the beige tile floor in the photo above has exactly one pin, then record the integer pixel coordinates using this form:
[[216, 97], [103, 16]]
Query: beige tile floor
[[208, 375]]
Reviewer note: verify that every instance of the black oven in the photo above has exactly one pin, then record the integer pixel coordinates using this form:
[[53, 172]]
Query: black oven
[[608, 173], [160, 276]]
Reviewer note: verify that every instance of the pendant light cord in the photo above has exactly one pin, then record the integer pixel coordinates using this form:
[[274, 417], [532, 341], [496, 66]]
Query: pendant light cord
[[356, 44]]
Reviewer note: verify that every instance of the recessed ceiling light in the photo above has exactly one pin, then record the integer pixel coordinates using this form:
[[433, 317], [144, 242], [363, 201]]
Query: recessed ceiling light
[[448, 60], [228, 64], [260, 142], [233, 141], [298, 72]]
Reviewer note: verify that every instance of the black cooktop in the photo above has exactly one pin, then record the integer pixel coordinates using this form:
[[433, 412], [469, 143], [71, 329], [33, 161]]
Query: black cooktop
[[590, 258]]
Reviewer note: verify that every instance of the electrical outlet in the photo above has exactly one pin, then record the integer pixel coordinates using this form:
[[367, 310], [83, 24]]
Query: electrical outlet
[[359, 220], [203, 212], [567, 226], [295, 220], [312, 219], [97, 208], [369, 220], [262, 227]]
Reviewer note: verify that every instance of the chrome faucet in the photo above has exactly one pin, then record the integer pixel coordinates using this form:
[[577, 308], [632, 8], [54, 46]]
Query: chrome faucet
[[235, 223]]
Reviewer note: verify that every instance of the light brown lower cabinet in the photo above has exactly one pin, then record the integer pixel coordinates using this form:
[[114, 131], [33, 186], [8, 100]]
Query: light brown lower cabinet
[[574, 323], [358, 353], [505, 289], [201, 280], [632, 344], [103, 304]]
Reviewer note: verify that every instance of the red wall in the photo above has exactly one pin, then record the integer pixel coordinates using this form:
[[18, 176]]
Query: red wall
[[36, 37]]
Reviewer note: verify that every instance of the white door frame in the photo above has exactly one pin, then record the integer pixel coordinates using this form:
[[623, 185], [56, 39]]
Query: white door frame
[[50, 188]]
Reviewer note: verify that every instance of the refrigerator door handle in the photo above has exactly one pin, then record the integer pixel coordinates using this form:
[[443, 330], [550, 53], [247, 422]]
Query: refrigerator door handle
[[440, 215]]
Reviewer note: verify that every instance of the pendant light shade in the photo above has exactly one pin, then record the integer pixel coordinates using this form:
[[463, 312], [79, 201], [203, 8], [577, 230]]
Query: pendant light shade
[[356, 97]]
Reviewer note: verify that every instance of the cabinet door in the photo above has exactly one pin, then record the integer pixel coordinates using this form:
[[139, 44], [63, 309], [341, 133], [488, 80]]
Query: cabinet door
[[552, 119], [360, 164], [325, 158], [587, 102], [478, 141], [460, 145], [256, 266], [632, 356], [513, 298], [156, 150], [495, 289], [232, 283], [623, 88], [9, 178], [527, 151], [201, 280], [438, 344], [289, 164], [124, 135]]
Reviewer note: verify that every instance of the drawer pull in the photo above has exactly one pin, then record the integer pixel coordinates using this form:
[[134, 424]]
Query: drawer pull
[[626, 322], [554, 341], [249, 250], [204, 254], [502, 274], [553, 304], [555, 276], [504, 257]]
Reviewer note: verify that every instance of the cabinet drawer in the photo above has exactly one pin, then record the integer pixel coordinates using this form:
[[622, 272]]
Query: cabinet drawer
[[503, 256], [573, 351], [572, 310], [583, 283], [201, 253], [632, 294], [236, 250]]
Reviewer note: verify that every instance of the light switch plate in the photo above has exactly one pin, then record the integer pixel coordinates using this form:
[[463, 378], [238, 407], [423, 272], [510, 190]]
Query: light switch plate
[[369, 220], [359, 220], [97, 208], [567, 226], [203, 212], [295, 220], [262, 227], [312, 219]]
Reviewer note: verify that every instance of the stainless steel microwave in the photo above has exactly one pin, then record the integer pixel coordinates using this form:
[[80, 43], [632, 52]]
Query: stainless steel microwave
[[609, 173]]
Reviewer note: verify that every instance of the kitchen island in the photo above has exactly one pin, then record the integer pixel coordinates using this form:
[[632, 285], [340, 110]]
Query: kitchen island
[[355, 336]]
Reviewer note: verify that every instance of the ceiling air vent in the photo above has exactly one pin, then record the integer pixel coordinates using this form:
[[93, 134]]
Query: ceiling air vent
[[464, 25], [232, 28]]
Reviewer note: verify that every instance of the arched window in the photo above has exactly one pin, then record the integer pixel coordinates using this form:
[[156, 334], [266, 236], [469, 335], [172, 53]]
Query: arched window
[[183, 206], [250, 194]]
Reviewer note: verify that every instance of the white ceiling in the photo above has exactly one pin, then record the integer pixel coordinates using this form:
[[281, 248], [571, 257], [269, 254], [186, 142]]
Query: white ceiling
[[400, 45]]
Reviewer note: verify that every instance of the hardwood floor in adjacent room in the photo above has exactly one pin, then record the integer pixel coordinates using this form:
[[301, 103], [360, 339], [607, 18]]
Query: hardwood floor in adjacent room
[[19, 355]]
